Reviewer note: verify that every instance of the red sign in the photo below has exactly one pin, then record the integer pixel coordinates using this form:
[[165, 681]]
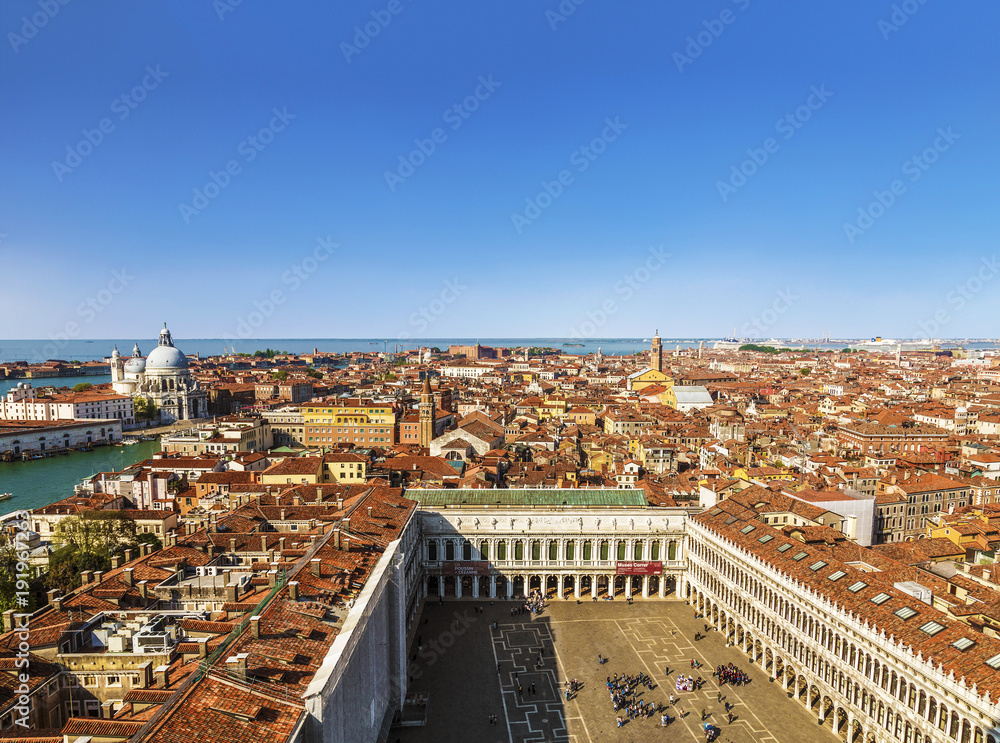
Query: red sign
[[638, 568], [475, 567]]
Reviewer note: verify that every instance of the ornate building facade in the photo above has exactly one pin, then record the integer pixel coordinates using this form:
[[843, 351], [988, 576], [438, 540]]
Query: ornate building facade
[[163, 378], [579, 543]]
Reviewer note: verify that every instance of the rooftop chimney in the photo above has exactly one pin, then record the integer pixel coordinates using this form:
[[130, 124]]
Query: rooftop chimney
[[146, 674], [85, 577], [293, 590], [316, 565], [98, 576], [129, 554], [237, 665], [144, 588], [263, 542], [340, 502], [232, 544], [54, 600], [281, 544], [297, 501], [128, 575], [255, 627], [272, 578], [116, 562], [336, 539], [282, 517], [370, 509], [202, 646], [319, 494], [162, 676]]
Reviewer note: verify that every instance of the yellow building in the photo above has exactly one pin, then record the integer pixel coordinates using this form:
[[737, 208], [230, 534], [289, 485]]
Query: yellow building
[[344, 468], [641, 379], [294, 471], [355, 420]]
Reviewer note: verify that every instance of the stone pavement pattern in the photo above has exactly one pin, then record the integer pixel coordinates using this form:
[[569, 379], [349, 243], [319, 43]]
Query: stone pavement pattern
[[461, 652]]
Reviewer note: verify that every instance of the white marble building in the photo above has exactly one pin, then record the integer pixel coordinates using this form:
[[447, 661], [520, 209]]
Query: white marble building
[[162, 377]]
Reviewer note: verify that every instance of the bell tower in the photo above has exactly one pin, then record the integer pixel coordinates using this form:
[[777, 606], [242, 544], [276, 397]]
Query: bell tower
[[426, 414], [656, 353]]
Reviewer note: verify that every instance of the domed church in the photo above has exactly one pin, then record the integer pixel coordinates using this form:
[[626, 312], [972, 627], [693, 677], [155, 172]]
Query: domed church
[[162, 377]]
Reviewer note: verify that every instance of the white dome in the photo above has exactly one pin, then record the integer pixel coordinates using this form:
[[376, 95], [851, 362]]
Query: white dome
[[135, 365], [166, 357]]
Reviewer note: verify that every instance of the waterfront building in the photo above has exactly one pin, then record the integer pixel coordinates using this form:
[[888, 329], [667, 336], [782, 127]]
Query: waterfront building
[[24, 403], [341, 420], [162, 378], [18, 437]]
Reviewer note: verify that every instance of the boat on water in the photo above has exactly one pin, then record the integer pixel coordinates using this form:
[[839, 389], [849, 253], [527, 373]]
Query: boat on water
[[6, 496]]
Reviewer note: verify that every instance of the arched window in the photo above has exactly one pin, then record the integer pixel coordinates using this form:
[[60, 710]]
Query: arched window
[[518, 550], [654, 550], [588, 551], [501, 550], [484, 550], [432, 550], [672, 551], [637, 551], [466, 550], [449, 550], [571, 550], [536, 550], [604, 549]]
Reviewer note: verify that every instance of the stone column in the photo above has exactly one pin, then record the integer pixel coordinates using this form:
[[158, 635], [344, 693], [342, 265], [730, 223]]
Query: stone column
[[628, 586], [441, 586], [663, 585], [593, 586], [645, 586], [426, 581], [458, 586], [510, 588], [493, 586], [475, 587], [576, 586]]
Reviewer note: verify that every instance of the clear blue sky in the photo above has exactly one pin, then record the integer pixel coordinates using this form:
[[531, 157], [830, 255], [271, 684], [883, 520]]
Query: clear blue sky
[[455, 238]]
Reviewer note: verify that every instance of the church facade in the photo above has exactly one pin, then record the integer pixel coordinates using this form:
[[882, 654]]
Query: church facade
[[162, 378]]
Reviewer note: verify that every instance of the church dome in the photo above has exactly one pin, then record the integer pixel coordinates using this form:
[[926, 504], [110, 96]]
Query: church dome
[[135, 365], [165, 356]]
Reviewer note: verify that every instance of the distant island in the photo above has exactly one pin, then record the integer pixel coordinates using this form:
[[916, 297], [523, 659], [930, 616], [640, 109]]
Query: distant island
[[572, 345]]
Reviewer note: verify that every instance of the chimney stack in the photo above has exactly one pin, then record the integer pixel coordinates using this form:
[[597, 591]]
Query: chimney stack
[[144, 588], [162, 676], [297, 500], [272, 578], [128, 575], [129, 554], [293, 590], [85, 577], [346, 541], [370, 511], [281, 544], [116, 562], [202, 647], [146, 674], [282, 516], [237, 665], [319, 493], [340, 503], [255, 627], [98, 576], [336, 539], [316, 565]]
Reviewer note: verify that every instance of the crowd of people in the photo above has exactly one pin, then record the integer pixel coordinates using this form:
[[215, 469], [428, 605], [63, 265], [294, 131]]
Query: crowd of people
[[730, 674], [624, 691]]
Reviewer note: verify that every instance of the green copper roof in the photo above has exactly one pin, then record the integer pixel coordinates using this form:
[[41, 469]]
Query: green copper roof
[[528, 497]]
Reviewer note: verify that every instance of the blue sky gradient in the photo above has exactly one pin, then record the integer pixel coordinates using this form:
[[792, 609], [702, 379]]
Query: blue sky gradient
[[308, 238]]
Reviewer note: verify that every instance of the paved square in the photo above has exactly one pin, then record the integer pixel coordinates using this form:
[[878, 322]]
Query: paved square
[[474, 663]]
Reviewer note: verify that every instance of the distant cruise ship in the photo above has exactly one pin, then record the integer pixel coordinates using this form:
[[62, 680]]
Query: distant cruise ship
[[886, 344], [730, 344]]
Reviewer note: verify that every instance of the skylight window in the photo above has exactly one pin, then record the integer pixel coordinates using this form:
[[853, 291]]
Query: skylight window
[[994, 662], [838, 575], [747, 529], [817, 565], [800, 556], [855, 587], [881, 598], [715, 512], [766, 538], [932, 628], [905, 613], [784, 548], [963, 643]]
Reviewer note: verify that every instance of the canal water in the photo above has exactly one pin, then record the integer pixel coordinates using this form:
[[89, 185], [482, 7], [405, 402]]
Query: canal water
[[39, 482], [8, 384]]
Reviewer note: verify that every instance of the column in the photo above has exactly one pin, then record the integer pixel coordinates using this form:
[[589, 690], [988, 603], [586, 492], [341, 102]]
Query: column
[[663, 585], [510, 588], [562, 587], [645, 586], [475, 587], [441, 586], [628, 586], [576, 586], [493, 586], [458, 586], [426, 581], [593, 586]]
